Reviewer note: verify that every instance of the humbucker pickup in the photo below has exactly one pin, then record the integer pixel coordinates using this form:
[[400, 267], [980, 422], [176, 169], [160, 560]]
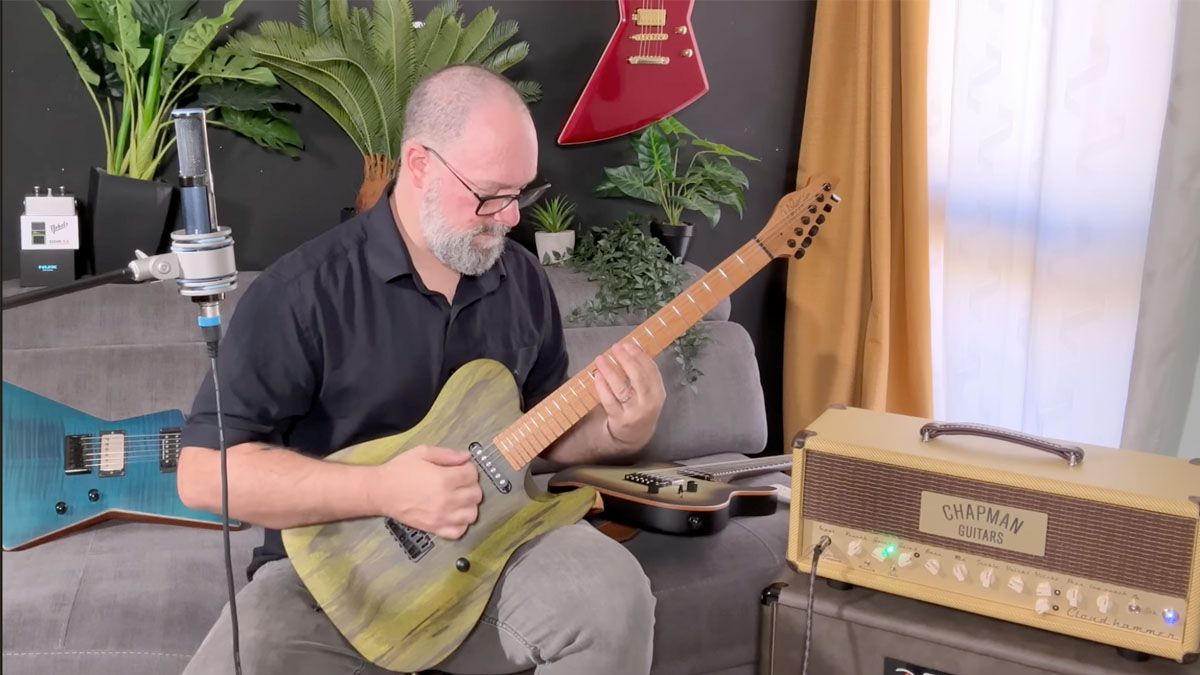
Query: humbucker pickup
[[416, 543], [168, 449], [112, 453]]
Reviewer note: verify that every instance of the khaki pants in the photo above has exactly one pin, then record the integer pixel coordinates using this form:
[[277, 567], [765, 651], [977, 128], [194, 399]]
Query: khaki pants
[[572, 601]]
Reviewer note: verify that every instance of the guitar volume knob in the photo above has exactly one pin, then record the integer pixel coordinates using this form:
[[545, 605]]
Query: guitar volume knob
[[60, 508]]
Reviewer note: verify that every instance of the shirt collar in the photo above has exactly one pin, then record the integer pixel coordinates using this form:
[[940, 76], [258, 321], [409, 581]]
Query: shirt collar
[[387, 253]]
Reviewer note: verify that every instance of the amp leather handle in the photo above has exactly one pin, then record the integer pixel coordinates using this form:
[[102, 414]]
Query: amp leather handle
[[1073, 454]]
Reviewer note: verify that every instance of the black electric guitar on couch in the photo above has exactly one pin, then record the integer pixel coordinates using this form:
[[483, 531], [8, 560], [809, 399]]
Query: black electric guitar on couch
[[406, 599], [690, 499]]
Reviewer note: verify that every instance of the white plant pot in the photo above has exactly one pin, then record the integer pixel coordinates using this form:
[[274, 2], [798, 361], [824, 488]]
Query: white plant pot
[[554, 247]]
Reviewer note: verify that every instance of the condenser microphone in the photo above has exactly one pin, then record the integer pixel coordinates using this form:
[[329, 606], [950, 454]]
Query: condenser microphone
[[201, 260], [197, 204]]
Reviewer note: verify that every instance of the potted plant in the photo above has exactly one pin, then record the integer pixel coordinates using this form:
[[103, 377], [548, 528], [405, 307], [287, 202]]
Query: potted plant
[[138, 60], [634, 279], [554, 237], [360, 66], [708, 180]]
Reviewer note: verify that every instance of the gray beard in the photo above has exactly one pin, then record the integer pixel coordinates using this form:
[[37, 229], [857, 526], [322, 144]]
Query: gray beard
[[456, 250]]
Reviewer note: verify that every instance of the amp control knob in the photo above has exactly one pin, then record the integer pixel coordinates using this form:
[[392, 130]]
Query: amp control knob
[[1016, 583], [1041, 606], [960, 572], [1103, 603], [1074, 595], [1044, 590], [987, 577], [854, 548], [905, 559], [933, 566]]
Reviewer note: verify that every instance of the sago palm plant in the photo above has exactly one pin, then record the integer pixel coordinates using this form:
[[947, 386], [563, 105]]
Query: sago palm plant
[[360, 66]]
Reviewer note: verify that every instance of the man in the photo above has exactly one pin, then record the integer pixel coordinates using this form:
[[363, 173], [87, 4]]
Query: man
[[350, 337]]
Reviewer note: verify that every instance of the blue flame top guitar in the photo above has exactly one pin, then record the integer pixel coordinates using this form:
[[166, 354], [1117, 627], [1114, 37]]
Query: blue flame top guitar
[[65, 470]]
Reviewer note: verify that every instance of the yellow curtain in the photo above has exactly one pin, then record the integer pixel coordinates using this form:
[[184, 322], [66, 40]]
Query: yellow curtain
[[857, 323]]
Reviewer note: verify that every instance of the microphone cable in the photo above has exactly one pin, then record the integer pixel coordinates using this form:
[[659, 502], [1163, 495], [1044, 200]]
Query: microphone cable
[[233, 617]]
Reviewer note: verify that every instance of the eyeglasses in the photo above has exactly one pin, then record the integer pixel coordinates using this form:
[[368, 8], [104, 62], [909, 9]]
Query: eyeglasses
[[490, 205]]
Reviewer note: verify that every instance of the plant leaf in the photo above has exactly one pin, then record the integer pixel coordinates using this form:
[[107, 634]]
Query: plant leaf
[[530, 91], [314, 16], [499, 34], [225, 64], [200, 35], [240, 96], [704, 206], [507, 58], [97, 15], [163, 17], [393, 37], [85, 71], [674, 127], [265, 129], [627, 181], [128, 37], [722, 149], [474, 34], [655, 158], [436, 41]]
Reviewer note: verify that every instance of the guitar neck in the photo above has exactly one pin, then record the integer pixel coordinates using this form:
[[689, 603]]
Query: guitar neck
[[542, 425], [732, 470]]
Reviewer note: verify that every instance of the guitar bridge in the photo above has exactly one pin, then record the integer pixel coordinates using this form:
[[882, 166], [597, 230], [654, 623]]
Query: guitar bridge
[[75, 458], [416, 543], [649, 60], [168, 449], [647, 479]]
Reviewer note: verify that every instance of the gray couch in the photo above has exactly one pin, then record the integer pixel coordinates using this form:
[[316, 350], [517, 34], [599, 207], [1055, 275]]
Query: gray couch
[[138, 598]]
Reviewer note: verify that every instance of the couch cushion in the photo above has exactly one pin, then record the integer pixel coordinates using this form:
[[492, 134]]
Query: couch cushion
[[118, 598], [116, 314], [139, 598], [725, 411]]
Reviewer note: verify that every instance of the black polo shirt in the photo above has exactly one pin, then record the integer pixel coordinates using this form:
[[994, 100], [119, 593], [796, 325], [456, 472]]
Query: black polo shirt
[[339, 342]]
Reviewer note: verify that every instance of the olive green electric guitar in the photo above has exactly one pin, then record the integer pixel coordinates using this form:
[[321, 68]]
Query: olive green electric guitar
[[406, 599]]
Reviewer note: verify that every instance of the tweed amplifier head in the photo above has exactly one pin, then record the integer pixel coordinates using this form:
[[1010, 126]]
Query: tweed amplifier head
[[1093, 542]]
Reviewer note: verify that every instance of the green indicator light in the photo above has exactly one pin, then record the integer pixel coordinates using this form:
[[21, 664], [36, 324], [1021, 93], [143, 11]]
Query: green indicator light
[[889, 550]]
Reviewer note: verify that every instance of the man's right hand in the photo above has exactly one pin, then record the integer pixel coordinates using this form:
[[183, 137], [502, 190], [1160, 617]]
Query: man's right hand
[[429, 488]]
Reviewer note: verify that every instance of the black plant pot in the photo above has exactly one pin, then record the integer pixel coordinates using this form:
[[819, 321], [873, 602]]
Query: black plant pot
[[677, 238], [126, 215]]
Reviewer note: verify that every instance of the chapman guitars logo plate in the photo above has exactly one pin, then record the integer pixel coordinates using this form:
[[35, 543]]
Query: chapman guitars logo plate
[[897, 667]]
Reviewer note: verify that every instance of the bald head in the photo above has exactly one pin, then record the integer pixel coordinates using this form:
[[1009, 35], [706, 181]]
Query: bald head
[[442, 104]]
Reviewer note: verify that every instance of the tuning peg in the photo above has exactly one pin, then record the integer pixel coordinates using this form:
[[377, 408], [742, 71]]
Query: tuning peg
[[807, 242], [791, 243], [821, 219], [820, 197], [828, 208], [834, 198], [799, 231], [799, 253], [827, 187], [812, 231], [805, 219], [812, 209]]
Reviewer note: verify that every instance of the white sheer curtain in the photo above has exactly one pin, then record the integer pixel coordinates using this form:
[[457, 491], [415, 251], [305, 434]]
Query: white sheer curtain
[[1045, 126]]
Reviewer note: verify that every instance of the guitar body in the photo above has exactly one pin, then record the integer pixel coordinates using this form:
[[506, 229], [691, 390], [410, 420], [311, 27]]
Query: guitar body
[[407, 601], [135, 482], [682, 503], [650, 70]]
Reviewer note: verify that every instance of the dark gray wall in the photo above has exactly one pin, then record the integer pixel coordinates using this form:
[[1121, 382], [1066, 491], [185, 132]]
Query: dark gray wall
[[756, 54]]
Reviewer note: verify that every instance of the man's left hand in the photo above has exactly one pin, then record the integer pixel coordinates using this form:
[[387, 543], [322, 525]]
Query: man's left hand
[[631, 391]]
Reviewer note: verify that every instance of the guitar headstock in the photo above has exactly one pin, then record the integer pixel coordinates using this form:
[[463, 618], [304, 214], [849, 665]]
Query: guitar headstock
[[799, 217]]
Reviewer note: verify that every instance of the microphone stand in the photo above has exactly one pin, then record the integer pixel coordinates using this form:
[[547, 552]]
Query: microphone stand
[[29, 297]]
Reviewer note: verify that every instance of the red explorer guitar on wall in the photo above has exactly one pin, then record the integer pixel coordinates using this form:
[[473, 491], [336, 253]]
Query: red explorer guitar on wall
[[651, 69]]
